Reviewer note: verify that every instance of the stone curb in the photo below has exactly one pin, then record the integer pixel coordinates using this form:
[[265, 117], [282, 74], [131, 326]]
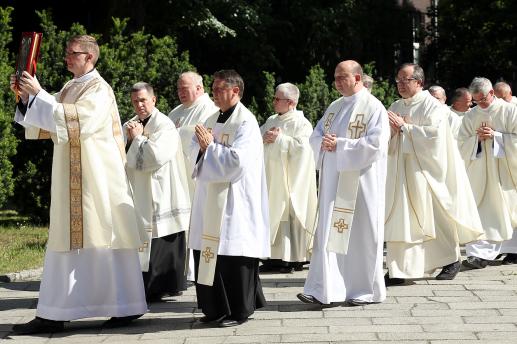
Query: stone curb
[[25, 275]]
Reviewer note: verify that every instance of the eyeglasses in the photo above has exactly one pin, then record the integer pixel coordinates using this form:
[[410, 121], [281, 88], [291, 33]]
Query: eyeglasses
[[474, 101], [404, 80], [73, 53], [276, 99]]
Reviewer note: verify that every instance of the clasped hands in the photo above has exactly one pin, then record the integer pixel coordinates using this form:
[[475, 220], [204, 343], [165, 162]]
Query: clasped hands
[[329, 143], [396, 122], [134, 129], [27, 85], [485, 132], [204, 137], [271, 135]]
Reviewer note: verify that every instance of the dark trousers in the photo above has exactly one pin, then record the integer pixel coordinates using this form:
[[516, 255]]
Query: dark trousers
[[236, 291]]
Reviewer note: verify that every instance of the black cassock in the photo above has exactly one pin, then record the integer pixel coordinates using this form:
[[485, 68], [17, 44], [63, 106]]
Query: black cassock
[[236, 291]]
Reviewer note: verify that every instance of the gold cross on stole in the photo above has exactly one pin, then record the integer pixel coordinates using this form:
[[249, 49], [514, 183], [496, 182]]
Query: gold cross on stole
[[358, 127], [340, 225], [208, 254]]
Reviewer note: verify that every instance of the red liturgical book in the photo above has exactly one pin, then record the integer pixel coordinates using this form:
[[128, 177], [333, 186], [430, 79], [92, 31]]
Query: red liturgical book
[[28, 54]]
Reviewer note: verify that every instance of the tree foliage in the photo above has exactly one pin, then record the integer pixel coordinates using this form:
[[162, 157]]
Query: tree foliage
[[478, 40], [8, 141]]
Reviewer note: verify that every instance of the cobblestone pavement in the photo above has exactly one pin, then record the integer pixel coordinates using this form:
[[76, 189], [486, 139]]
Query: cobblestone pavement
[[479, 306]]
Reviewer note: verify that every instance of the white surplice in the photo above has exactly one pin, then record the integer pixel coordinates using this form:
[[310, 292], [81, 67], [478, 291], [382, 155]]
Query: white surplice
[[430, 208], [86, 282], [185, 119], [156, 170], [358, 274], [491, 166], [245, 221], [291, 178]]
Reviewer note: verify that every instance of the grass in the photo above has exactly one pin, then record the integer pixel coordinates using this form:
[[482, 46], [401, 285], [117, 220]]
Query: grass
[[22, 246]]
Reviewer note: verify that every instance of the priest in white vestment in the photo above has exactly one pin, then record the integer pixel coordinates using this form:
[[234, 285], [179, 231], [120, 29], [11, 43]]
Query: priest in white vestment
[[430, 208], [196, 106], [350, 145], [91, 266], [504, 91], [291, 180], [488, 145], [156, 170], [461, 101], [229, 230]]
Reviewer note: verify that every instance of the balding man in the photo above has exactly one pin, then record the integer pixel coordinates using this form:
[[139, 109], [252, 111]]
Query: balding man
[[196, 106], [350, 145], [504, 91], [438, 92]]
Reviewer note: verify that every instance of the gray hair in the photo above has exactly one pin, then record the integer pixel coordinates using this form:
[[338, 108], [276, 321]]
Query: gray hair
[[458, 93], [436, 89], [289, 91], [480, 85], [503, 87], [143, 86], [195, 77], [367, 81], [418, 72]]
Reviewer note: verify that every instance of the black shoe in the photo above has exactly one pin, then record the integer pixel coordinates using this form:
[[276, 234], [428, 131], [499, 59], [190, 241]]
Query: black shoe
[[357, 302], [298, 267], [305, 298], [114, 322], [475, 262], [449, 271], [286, 270], [392, 281], [511, 258], [39, 325], [231, 322], [206, 319]]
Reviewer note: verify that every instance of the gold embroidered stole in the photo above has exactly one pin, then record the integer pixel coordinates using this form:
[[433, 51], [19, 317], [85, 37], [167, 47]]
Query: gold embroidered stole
[[74, 129], [348, 183], [215, 203]]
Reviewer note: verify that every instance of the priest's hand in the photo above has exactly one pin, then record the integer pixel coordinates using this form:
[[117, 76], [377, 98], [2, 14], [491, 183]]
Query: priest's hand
[[29, 84], [396, 121], [485, 132], [204, 137], [23, 95], [329, 143], [134, 129], [271, 135]]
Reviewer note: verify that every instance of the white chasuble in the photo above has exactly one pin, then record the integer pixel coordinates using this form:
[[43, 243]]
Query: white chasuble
[[291, 179], [185, 119], [91, 203], [91, 253], [156, 170], [362, 141], [492, 167], [430, 207], [230, 209]]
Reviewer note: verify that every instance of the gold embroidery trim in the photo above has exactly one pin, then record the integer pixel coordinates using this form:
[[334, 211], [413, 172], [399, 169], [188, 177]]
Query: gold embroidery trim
[[76, 199], [43, 135]]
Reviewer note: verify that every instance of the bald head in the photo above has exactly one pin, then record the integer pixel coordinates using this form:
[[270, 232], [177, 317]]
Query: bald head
[[348, 77], [503, 90]]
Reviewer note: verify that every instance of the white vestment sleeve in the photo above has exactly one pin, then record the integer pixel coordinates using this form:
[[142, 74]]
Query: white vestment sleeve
[[149, 154], [40, 113], [228, 164], [315, 141], [498, 145], [356, 154]]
